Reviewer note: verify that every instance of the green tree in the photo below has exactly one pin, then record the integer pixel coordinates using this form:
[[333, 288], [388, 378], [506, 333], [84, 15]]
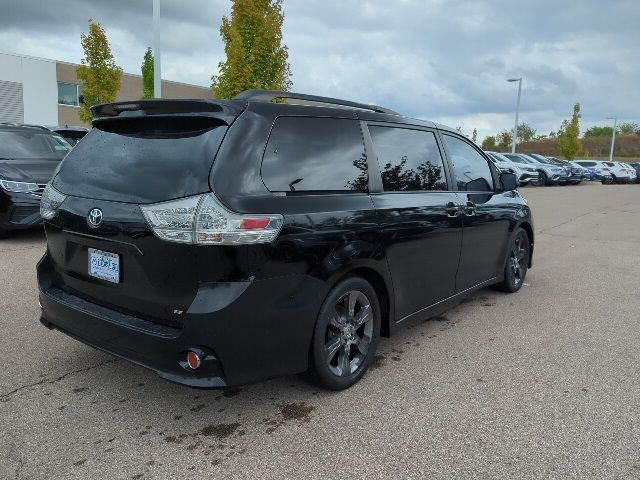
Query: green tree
[[256, 56], [489, 143], [504, 140], [525, 132], [147, 74], [629, 128], [98, 72], [598, 132], [568, 141], [474, 135]]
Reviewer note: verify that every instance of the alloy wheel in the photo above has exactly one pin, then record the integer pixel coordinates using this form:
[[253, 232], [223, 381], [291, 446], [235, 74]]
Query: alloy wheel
[[349, 333], [518, 259]]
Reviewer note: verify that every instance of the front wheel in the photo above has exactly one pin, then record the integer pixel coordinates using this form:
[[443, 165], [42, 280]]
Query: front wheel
[[542, 179], [346, 334], [515, 269]]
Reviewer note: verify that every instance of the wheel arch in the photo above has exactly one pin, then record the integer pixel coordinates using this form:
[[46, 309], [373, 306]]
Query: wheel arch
[[528, 228], [380, 285]]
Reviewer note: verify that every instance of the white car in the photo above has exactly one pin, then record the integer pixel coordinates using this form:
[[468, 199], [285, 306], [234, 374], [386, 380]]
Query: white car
[[526, 174], [620, 172], [602, 171], [633, 175]]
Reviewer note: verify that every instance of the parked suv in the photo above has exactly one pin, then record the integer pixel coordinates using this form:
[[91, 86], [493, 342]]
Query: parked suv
[[548, 173], [221, 242], [28, 157], [598, 168], [526, 173]]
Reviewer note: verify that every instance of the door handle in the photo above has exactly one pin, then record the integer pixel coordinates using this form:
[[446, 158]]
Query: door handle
[[470, 209], [452, 209]]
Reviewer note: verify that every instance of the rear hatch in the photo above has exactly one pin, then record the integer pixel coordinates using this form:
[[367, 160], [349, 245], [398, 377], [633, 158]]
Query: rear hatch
[[100, 243]]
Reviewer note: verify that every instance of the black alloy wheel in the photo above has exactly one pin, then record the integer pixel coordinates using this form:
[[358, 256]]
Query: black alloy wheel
[[515, 269], [542, 178], [346, 334]]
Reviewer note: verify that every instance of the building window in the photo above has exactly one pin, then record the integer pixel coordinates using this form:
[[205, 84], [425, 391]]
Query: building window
[[69, 94]]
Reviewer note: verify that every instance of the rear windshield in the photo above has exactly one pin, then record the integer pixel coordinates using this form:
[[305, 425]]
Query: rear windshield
[[587, 164], [142, 160], [32, 145]]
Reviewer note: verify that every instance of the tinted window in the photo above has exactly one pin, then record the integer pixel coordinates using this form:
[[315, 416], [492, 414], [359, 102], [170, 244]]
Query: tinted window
[[315, 154], [587, 164], [515, 158], [609, 164], [142, 160], [471, 169], [32, 144], [409, 160]]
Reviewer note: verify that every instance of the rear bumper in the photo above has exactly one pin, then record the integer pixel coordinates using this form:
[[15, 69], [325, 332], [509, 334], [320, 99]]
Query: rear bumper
[[249, 331]]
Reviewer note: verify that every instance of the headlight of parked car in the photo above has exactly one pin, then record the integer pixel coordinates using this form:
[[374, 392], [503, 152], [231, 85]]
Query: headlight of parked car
[[22, 187], [50, 202]]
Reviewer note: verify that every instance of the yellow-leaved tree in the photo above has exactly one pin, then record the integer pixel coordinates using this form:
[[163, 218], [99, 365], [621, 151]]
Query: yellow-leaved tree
[[98, 72], [256, 56]]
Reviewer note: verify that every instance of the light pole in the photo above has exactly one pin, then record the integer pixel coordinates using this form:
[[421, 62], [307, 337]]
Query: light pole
[[157, 77], [515, 127], [613, 137]]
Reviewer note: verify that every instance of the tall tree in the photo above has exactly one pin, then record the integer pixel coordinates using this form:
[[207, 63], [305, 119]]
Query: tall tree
[[98, 72], [568, 141], [256, 56], [504, 140], [489, 143], [147, 74], [526, 132], [474, 135]]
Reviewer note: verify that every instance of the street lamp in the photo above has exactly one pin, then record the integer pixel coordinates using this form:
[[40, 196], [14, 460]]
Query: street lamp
[[515, 127], [157, 78], [613, 137]]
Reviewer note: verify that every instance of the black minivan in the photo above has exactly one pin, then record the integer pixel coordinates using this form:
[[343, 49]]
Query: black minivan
[[222, 242]]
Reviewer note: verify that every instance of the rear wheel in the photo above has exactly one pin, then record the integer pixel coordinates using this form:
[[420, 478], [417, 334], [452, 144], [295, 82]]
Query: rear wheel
[[346, 334], [515, 269]]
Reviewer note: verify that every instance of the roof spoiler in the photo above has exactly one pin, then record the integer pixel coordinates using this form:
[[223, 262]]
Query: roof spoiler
[[224, 110], [270, 95]]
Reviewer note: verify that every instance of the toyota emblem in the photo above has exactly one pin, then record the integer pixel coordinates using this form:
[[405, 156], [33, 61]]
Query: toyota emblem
[[95, 217]]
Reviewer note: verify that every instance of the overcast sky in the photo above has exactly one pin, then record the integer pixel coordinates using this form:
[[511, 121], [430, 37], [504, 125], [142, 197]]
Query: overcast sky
[[446, 61]]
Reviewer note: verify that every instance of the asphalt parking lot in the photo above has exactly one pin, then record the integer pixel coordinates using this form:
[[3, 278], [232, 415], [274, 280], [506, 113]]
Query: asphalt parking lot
[[540, 384]]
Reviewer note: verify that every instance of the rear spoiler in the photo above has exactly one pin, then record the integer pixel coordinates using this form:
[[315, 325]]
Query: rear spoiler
[[227, 111]]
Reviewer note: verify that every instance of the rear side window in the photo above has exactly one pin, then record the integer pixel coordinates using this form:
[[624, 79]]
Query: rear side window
[[409, 160], [315, 154], [587, 164], [472, 170], [609, 164]]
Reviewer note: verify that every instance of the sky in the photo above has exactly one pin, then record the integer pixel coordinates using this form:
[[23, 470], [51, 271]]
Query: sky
[[442, 60]]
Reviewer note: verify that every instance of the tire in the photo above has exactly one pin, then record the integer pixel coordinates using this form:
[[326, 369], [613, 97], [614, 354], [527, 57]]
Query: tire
[[3, 233], [517, 263], [341, 350], [542, 178], [614, 180]]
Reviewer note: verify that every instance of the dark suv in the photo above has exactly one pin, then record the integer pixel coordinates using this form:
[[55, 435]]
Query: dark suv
[[28, 157], [222, 242]]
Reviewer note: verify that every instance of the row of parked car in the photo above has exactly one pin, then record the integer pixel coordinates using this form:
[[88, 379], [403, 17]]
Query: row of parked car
[[534, 169]]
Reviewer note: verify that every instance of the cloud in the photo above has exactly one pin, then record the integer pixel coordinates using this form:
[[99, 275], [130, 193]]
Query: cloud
[[434, 59]]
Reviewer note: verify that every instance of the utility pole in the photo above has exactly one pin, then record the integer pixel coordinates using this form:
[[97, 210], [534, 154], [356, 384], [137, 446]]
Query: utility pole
[[157, 75], [515, 127], [613, 137]]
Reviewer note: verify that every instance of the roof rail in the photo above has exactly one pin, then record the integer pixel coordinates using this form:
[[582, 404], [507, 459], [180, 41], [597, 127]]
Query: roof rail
[[270, 95]]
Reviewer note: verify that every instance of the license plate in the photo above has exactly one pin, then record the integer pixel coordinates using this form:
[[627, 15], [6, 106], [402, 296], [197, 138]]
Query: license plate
[[104, 265]]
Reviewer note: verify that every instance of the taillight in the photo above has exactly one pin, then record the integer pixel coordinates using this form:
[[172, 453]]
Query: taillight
[[50, 202], [204, 220]]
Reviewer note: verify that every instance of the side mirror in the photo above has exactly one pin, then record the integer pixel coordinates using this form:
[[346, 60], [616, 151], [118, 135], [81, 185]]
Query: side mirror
[[508, 181]]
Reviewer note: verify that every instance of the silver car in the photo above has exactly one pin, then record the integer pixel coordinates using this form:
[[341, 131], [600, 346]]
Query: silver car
[[526, 173]]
